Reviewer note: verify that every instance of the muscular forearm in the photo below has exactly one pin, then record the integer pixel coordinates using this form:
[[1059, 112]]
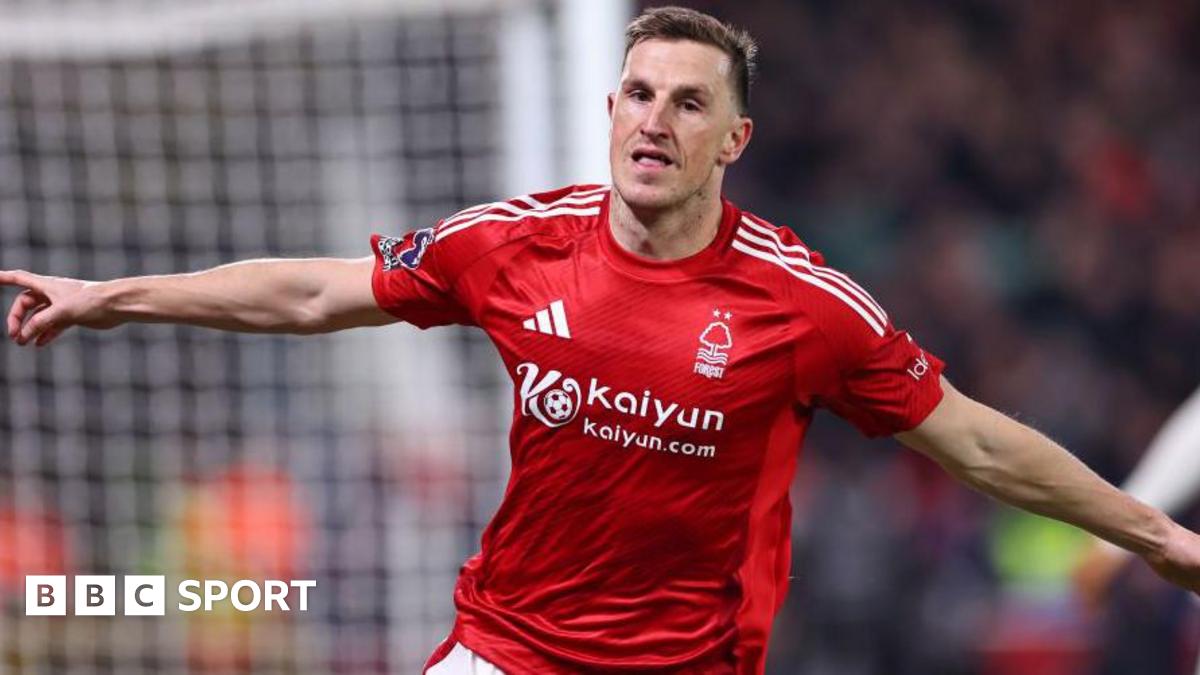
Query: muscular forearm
[[267, 296], [1018, 465], [1024, 468], [255, 295]]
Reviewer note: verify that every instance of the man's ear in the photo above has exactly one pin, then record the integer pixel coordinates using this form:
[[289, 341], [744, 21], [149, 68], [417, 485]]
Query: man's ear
[[612, 98], [736, 141]]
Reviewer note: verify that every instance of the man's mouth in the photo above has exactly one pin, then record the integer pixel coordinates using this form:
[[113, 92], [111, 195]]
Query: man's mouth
[[650, 157]]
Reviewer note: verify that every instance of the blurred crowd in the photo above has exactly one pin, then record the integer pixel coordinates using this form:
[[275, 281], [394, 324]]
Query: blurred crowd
[[1018, 183]]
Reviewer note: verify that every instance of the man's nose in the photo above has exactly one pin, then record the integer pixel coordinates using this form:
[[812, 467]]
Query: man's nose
[[657, 123]]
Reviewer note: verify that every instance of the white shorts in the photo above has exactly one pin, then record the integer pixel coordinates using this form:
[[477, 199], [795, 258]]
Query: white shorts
[[463, 661]]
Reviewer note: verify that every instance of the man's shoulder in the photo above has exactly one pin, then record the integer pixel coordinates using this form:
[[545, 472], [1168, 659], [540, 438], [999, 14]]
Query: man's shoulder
[[803, 279], [782, 235], [461, 240], [774, 251], [493, 224]]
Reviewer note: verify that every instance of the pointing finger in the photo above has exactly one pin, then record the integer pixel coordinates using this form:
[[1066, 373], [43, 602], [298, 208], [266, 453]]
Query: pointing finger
[[19, 278]]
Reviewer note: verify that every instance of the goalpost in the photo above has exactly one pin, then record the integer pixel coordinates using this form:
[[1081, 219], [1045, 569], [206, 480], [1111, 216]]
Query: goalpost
[[159, 136]]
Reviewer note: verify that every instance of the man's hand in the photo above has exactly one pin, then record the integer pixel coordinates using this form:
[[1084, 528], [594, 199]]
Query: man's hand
[[50, 305], [1179, 560]]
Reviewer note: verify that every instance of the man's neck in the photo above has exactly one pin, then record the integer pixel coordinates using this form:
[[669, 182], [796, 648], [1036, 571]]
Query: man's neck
[[668, 234]]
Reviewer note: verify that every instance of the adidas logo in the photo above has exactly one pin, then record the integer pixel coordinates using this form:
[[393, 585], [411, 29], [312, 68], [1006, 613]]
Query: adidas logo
[[550, 321]]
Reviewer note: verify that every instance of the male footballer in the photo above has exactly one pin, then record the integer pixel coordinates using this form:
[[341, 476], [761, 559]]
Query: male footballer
[[668, 350]]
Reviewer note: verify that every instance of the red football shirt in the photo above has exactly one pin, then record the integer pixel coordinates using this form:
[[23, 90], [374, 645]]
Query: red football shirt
[[659, 410]]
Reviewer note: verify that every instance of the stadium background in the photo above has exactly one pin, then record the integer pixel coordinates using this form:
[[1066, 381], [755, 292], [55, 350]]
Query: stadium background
[[1016, 181]]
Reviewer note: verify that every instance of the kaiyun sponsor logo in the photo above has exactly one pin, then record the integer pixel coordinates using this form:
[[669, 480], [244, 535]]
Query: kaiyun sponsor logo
[[555, 400], [626, 438]]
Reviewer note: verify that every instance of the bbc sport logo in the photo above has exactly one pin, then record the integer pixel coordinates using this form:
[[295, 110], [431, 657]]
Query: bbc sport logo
[[146, 595]]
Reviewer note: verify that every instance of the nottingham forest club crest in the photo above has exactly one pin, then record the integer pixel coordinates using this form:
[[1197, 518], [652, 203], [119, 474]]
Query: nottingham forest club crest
[[715, 341]]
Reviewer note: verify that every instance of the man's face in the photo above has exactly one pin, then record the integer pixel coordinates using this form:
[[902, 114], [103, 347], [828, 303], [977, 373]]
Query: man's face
[[674, 123]]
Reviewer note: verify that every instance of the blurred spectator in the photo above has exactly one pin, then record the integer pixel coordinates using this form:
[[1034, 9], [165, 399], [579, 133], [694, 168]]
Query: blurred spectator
[[244, 522], [1019, 183], [31, 542]]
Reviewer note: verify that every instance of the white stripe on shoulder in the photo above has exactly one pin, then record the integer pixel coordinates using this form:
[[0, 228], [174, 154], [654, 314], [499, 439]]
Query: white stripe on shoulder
[[819, 270], [775, 258], [830, 273], [492, 218], [833, 277], [527, 200], [591, 191], [513, 209], [776, 247], [522, 203], [762, 229], [495, 212]]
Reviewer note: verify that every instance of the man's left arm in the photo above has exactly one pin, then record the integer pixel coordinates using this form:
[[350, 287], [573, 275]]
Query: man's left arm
[[1017, 465]]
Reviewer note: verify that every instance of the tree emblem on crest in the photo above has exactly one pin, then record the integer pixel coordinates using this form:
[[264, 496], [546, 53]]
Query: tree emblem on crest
[[716, 339]]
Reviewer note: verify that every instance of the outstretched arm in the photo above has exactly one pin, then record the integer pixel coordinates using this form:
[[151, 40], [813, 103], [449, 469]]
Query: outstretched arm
[[1011, 462], [306, 296]]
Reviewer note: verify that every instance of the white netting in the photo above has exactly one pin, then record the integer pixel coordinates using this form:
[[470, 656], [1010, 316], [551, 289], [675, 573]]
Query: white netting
[[367, 460], [107, 28]]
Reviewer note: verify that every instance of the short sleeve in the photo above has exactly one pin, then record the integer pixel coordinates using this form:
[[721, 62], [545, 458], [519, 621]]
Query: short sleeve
[[411, 282], [871, 374], [891, 386]]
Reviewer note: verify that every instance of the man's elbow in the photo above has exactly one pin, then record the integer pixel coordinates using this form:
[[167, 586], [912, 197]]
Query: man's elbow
[[298, 311], [343, 299], [310, 319], [973, 463], [329, 311], [983, 472]]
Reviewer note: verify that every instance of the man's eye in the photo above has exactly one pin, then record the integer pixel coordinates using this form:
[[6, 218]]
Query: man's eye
[[691, 106], [639, 95]]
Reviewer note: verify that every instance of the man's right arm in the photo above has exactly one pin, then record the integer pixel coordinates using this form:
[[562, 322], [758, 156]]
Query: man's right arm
[[305, 296], [1003, 458]]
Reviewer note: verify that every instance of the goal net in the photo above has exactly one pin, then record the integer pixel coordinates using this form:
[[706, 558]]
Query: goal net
[[161, 136]]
